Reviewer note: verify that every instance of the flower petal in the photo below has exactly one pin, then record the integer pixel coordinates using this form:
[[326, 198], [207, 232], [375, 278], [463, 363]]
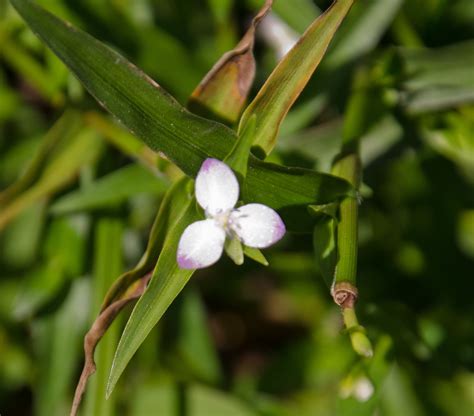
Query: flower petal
[[200, 245], [257, 225], [217, 188]]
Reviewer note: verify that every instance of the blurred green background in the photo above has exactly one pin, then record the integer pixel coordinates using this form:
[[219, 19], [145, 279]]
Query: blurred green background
[[78, 195]]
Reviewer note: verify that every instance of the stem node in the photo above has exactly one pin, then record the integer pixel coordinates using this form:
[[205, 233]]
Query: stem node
[[344, 294]]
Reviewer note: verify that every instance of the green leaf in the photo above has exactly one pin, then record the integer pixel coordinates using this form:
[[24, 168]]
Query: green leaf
[[325, 248], [122, 139], [62, 169], [256, 255], [355, 38], [111, 190], [238, 158], [200, 400], [233, 248], [57, 345], [451, 136], [22, 238], [289, 78], [194, 353], [23, 62], [170, 209], [290, 191], [129, 94], [438, 78], [319, 143], [107, 265], [66, 126], [62, 257], [167, 282], [164, 125]]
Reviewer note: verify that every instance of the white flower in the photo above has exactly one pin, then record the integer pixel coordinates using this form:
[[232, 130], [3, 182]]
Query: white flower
[[217, 192]]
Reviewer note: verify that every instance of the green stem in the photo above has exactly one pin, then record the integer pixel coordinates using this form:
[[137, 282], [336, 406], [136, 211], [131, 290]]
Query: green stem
[[348, 166], [359, 340]]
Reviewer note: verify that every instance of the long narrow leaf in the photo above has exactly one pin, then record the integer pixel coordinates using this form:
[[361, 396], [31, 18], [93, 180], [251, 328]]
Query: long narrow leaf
[[167, 282], [289, 78], [162, 123]]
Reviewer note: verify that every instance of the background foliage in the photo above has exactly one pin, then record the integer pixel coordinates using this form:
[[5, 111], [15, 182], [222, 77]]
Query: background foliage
[[79, 195]]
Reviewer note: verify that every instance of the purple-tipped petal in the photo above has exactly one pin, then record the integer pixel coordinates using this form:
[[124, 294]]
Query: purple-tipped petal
[[200, 245], [217, 188], [187, 263], [257, 225]]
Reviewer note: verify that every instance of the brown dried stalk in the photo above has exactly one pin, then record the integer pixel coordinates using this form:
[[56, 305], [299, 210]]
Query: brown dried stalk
[[97, 331]]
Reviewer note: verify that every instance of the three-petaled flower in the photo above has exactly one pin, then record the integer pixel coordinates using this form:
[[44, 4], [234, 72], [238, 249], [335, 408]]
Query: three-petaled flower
[[217, 192]]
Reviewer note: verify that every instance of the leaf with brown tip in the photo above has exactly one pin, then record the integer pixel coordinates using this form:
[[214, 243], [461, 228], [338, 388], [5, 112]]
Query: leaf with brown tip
[[223, 91], [291, 75]]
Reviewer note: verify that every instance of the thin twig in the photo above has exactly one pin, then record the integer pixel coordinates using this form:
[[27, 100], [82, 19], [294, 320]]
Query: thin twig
[[95, 334]]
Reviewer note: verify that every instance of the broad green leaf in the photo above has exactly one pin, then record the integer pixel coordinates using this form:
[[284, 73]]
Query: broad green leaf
[[171, 61], [286, 82], [224, 90], [155, 117], [110, 190], [288, 190], [129, 94], [166, 283]]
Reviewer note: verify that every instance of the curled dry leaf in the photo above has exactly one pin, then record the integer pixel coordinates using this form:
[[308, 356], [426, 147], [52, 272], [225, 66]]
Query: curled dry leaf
[[97, 331], [224, 89]]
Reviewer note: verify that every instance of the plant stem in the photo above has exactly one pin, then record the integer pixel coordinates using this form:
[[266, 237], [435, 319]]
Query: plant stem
[[348, 166]]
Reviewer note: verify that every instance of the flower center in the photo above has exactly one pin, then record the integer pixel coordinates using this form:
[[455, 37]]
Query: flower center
[[222, 218]]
